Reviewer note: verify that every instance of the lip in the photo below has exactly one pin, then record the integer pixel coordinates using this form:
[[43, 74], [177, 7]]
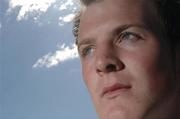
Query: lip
[[114, 90]]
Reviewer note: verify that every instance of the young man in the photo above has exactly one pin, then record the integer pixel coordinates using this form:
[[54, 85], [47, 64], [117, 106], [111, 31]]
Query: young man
[[129, 57]]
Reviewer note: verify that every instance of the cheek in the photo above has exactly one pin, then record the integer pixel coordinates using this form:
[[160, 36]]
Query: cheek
[[86, 74], [87, 70], [146, 66], [91, 81], [89, 76]]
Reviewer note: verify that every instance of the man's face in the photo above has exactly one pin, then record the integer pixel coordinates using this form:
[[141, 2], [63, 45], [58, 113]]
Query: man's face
[[125, 65]]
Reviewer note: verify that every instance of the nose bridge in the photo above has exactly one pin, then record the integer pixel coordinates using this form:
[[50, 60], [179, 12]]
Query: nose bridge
[[105, 52]]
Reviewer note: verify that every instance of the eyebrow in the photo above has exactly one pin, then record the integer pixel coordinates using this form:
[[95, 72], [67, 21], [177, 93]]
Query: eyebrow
[[114, 32], [86, 41]]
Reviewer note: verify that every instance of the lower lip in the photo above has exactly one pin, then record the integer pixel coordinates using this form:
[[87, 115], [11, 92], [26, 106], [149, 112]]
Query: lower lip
[[115, 93]]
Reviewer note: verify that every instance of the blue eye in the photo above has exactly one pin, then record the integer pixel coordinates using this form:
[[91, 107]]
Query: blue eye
[[87, 51], [129, 36]]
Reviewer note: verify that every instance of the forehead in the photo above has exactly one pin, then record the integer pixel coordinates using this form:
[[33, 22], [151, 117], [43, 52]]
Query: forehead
[[104, 12], [105, 9]]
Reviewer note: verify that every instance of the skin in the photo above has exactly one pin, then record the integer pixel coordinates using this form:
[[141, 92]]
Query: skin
[[117, 45]]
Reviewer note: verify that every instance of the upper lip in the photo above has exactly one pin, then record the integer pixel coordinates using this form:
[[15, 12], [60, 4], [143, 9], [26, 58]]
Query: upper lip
[[114, 87]]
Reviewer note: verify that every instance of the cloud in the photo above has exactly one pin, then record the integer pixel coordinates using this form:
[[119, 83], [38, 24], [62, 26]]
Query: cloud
[[67, 18], [30, 6], [35, 8], [53, 59], [66, 4]]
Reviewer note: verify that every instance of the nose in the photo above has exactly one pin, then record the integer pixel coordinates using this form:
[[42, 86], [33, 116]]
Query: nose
[[107, 61]]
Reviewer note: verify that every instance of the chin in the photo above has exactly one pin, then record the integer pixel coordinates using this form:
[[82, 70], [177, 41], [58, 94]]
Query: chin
[[114, 113], [118, 115], [121, 115], [123, 111]]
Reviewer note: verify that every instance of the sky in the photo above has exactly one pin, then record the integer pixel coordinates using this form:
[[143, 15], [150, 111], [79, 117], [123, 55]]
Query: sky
[[40, 71]]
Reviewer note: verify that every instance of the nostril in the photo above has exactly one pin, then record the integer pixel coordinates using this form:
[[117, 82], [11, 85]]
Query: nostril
[[111, 67], [108, 65]]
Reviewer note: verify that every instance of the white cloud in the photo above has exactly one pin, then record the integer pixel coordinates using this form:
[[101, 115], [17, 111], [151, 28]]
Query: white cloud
[[66, 4], [53, 59], [29, 6], [72, 5], [35, 8], [65, 19]]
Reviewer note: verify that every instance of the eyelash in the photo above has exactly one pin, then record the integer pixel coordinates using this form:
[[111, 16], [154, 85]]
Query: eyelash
[[125, 34], [121, 38], [84, 51]]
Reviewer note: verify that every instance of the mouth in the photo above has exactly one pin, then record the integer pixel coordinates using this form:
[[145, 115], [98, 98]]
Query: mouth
[[114, 90]]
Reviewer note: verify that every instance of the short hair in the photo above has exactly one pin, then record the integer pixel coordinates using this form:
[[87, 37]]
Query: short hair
[[168, 11]]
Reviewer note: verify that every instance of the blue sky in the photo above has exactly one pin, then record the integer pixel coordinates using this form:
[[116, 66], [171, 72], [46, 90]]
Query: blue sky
[[40, 69]]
